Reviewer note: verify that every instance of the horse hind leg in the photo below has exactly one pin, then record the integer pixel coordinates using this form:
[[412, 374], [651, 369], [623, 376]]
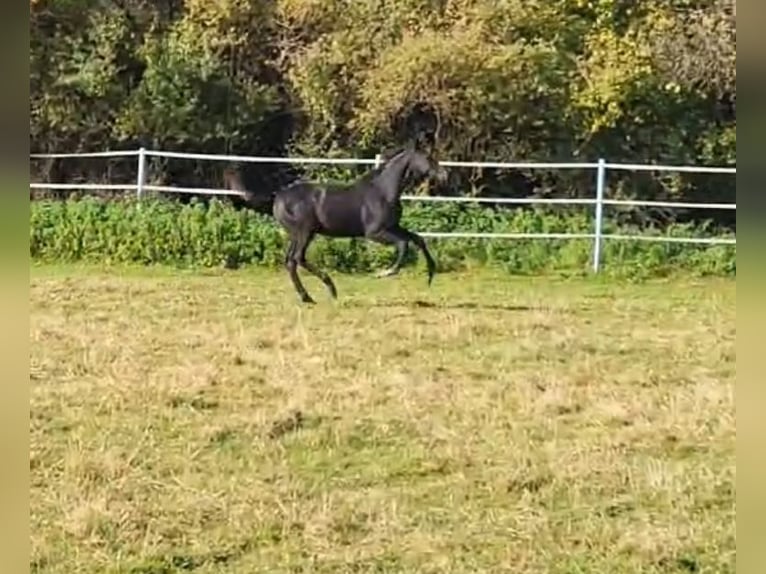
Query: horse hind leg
[[311, 268], [290, 251], [291, 263]]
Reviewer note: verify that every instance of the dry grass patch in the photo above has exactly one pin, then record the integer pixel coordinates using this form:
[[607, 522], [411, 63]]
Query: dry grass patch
[[206, 422]]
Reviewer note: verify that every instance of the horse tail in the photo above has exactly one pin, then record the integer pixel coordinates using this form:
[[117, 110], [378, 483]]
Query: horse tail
[[260, 202]]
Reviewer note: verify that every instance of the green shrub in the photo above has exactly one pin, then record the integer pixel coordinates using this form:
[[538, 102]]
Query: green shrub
[[171, 233]]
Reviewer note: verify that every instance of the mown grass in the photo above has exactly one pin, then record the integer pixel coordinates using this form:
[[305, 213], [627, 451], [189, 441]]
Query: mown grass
[[204, 421]]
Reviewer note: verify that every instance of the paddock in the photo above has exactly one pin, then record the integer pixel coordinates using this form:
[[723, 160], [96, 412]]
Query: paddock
[[206, 421]]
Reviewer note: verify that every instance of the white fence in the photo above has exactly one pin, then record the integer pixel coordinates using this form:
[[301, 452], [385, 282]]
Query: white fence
[[599, 201]]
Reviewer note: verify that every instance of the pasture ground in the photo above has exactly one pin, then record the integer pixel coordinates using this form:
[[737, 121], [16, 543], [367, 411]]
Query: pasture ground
[[489, 424]]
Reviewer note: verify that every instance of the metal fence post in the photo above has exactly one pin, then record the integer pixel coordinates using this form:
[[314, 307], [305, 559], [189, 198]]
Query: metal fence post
[[141, 178], [600, 183]]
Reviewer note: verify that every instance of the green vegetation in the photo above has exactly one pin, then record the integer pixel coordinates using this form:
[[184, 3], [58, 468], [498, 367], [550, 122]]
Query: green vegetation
[[216, 234], [488, 424], [187, 414], [535, 80]]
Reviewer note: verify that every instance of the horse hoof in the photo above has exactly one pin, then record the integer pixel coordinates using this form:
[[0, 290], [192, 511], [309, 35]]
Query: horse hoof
[[385, 273]]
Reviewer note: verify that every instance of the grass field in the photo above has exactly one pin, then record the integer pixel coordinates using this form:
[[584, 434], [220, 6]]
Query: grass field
[[205, 422]]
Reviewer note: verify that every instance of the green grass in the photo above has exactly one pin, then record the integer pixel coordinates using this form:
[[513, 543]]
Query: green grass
[[217, 235], [489, 424]]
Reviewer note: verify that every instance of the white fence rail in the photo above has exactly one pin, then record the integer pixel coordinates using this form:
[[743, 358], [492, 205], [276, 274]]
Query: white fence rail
[[599, 201]]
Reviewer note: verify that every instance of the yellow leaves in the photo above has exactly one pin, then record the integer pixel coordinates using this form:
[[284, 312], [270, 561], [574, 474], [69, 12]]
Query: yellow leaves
[[696, 47], [302, 13], [672, 87], [422, 66], [218, 24], [614, 68], [469, 81]]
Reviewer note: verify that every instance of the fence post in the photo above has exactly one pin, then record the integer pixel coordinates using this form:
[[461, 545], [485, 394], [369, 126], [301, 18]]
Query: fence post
[[141, 178], [600, 184], [378, 159]]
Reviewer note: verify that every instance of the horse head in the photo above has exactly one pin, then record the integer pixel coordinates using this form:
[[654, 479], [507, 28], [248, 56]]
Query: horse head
[[421, 165]]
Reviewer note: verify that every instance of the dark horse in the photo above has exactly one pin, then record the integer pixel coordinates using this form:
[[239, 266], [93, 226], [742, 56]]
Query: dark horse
[[370, 208]]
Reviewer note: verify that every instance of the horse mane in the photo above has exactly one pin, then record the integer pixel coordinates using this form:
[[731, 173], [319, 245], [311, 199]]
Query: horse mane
[[385, 159], [234, 178]]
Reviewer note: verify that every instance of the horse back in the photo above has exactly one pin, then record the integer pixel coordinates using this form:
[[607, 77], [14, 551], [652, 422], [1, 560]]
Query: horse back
[[338, 210]]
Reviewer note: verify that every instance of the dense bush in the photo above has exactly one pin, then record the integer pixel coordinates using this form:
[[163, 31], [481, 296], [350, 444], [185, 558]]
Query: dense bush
[[525, 80], [216, 234]]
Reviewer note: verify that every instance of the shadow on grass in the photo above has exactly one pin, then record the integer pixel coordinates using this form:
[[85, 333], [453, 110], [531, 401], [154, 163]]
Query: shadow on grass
[[419, 303]]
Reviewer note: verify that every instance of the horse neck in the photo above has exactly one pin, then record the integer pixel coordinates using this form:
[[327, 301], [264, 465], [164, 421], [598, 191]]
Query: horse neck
[[390, 179]]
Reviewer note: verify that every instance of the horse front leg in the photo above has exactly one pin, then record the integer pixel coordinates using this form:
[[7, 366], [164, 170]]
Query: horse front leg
[[389, 238], [407, 235]]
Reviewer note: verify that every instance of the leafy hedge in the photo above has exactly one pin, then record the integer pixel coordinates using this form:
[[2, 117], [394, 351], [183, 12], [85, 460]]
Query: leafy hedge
[[216, 234], [534, 80]]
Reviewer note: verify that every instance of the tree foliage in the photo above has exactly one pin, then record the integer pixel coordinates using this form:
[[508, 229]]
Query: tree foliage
[[501, 80]]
